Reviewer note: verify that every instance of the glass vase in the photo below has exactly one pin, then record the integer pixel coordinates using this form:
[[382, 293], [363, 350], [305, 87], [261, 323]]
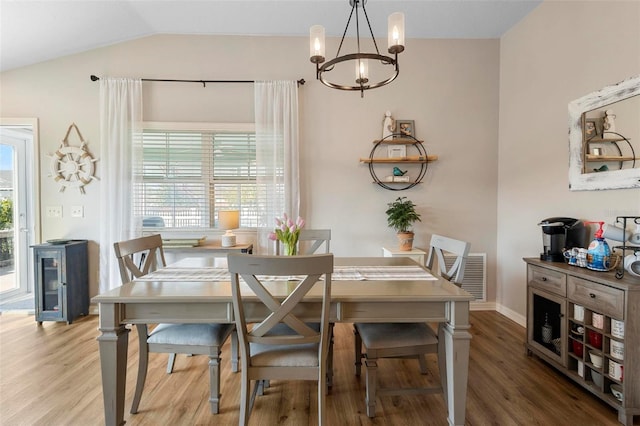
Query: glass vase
[[290, 249]]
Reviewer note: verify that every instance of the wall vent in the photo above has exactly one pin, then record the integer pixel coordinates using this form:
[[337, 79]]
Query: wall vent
[[475, 274]]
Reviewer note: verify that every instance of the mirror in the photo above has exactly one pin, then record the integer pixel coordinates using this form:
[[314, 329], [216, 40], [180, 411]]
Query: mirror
[[611, 159]]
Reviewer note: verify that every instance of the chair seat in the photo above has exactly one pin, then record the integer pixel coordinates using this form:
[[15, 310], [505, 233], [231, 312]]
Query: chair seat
[[303, 355], [190, 334], [396, 335]]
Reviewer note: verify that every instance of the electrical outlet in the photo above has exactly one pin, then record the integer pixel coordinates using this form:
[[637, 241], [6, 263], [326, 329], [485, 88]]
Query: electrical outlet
[[77, 211], [54, 211]]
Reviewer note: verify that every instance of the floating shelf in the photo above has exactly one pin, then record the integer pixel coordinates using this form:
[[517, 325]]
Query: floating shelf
[[422, 159], [416, 159]]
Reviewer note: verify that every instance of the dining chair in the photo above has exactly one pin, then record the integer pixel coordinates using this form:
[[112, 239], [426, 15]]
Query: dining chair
[[138, 257], [266, 351], [408, 340], [310, 241]]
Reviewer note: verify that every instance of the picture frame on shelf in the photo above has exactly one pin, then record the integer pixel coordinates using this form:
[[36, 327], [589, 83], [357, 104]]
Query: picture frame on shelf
[[405, 128], [590, 129], [397, 151]]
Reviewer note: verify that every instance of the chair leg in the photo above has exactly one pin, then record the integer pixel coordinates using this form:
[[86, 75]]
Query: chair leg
[[423, 363], [330, 358], [322, 387], [244, 398], [214, 382], [234, 352], [260, 386], [170, 363], [371, 370], [143, 361], [358, 351]]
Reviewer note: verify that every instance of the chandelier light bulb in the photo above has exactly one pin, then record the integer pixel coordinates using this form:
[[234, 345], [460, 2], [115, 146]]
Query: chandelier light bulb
[[316, 44], [396, 32], [362, 71]]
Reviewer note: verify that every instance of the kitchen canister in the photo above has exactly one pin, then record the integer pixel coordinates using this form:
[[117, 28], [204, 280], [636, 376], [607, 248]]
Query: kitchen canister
[[597, 320], [578, 312], [616, 370], [616, 349], [617, 328]]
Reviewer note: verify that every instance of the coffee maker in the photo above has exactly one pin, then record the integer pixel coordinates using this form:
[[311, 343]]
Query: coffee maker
[[560, 233]]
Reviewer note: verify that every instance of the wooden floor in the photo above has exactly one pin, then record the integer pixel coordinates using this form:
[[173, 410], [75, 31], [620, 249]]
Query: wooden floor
[[50, 375]]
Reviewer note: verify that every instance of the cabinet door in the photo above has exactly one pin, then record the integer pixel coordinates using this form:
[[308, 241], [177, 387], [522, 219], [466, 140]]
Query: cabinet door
[[546, 325], [50, 286]]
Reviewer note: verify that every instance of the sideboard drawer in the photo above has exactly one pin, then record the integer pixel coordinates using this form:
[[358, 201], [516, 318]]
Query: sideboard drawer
[[597, 297], [546, 279]]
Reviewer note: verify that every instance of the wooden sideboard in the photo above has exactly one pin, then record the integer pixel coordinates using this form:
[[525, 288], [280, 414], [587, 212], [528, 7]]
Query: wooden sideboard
[[563, 334]]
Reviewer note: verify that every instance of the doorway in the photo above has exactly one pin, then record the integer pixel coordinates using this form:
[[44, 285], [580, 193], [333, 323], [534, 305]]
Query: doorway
[[19, 208]]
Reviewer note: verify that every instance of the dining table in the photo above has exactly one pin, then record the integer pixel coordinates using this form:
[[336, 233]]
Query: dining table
[[363, 289]]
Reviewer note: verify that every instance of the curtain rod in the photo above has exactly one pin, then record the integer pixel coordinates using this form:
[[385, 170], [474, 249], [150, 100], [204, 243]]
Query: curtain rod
[[203, 82]]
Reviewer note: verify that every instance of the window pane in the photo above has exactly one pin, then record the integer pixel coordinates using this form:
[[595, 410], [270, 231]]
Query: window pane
[[186, 177]]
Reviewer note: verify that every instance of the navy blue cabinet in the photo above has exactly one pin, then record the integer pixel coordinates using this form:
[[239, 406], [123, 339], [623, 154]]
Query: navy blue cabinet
[[61, 280]]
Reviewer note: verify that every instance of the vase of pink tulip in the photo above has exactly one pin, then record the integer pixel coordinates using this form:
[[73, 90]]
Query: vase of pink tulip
[[287, 232]]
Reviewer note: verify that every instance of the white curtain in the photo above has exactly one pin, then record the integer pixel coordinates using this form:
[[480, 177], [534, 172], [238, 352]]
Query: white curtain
[[120, 120], [276, 117]]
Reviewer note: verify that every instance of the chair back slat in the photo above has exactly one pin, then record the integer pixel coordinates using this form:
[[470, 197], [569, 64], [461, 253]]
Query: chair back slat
[[438, 247], [139, 256], [305, 271], [310, 241]]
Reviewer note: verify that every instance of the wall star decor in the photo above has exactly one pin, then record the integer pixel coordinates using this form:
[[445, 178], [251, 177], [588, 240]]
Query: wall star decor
[[72, 166]]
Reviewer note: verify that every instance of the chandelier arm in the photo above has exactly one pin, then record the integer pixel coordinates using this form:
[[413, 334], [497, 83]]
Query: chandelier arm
[[370, 31], [344, 34], [354, 56]]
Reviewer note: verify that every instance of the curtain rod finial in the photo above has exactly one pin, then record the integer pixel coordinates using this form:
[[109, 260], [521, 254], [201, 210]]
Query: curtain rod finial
[[94, 78]]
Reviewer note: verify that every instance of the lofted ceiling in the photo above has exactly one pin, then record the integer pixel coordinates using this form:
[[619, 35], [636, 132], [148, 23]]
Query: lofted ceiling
[[35, 31]]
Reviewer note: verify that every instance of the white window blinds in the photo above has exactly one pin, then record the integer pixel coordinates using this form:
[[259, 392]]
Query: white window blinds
[[187, 176]]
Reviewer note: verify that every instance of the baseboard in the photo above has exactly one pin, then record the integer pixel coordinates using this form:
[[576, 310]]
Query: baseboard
[[512, 315]]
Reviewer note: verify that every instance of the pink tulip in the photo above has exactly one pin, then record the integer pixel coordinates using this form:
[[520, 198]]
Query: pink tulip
[[278, 222], [292, 228], [273, 236], [300, 222]]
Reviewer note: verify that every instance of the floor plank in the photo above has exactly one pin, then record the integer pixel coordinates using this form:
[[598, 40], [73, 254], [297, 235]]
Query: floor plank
[[50, 375]]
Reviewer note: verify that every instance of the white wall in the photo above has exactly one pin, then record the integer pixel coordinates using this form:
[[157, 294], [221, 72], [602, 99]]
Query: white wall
[[559, 52], [449, 87]]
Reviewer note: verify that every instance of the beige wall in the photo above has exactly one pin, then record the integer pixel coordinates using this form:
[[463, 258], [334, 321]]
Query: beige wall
[[449, 87], [559, 52]]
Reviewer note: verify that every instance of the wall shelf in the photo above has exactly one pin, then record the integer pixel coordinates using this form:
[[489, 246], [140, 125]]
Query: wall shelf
[[420, 159]]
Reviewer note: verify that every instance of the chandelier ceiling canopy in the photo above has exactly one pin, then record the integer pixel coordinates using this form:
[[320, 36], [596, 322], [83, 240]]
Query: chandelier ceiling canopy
[[359, 59]]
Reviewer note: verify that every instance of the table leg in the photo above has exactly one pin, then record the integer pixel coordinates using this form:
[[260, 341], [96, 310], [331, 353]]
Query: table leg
[[113, 343], [454, 345]]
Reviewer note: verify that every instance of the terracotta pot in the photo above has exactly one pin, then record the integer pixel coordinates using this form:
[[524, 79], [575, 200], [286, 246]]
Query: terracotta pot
[[405, 240]]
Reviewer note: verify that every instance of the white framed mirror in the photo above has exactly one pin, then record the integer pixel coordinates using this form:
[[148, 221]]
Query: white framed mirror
[[624, 170]]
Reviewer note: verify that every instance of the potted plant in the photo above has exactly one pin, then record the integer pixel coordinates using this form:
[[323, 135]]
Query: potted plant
[[401, 214]]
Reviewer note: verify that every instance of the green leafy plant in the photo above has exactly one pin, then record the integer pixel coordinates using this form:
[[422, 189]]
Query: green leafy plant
[[401, 214], [6, 213]]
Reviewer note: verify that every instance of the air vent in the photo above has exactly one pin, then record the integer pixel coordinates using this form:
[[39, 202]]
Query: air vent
[[475, 274]]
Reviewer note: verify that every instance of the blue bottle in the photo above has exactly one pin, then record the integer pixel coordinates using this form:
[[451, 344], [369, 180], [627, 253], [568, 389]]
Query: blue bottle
[[599, 253]]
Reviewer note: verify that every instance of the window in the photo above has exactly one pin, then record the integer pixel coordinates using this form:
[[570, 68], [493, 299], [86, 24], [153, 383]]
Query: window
[[188, 174]]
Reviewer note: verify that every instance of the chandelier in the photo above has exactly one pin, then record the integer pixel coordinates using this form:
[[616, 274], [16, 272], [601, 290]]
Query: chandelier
[[360, 60]]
